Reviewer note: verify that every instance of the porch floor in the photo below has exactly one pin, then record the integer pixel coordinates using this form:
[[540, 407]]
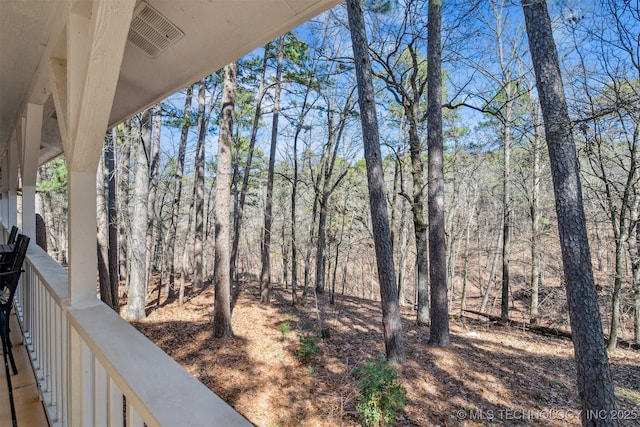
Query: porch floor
[[29, 409]]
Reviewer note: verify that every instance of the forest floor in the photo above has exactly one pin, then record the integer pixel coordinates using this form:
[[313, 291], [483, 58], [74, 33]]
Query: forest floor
[[491, 374]]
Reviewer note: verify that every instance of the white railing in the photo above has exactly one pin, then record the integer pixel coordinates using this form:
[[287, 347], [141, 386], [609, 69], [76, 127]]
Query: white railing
[[94, 369]]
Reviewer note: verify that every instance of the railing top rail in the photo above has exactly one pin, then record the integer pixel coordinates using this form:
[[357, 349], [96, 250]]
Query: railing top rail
[[161, 390], [52, 275]]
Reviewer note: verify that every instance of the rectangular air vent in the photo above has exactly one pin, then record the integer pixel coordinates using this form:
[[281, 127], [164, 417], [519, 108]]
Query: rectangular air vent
[[152, 32]]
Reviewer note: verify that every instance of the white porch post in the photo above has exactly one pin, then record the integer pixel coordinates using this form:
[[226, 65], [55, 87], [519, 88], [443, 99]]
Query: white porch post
[[12, 190], [83, 258], [4, 189], [29, 144], [83, 87]]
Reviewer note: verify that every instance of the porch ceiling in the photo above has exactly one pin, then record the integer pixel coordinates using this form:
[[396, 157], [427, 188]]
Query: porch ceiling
[[216, 32]]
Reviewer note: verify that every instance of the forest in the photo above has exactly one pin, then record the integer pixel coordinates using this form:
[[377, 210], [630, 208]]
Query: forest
[[397, 189]]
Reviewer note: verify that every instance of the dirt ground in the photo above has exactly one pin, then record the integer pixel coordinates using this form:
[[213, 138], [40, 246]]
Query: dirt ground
[[491, 374]]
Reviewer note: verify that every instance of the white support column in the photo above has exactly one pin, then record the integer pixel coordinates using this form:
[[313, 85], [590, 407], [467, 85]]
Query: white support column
[[29, 149], [83, 256], [4, 190], [12, 191], [83, 82], [83, 86]]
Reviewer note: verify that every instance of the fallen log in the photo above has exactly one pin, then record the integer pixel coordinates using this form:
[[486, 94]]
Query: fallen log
[[543, 330]]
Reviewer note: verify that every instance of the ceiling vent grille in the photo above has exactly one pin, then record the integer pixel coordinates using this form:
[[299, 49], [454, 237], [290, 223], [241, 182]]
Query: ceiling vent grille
[[152, 32]]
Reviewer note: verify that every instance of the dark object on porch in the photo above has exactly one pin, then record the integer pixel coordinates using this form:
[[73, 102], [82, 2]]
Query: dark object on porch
[[12, 235], [9, 279]]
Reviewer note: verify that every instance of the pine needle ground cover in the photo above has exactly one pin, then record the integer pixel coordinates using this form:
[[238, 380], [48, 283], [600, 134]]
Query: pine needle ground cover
[[491, 374]]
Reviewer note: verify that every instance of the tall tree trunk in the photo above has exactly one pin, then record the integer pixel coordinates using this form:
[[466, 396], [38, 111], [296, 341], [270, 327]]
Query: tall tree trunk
[[465, 273], [402, 261], [321, 244], [634, 254], [112, 217], [535, 219], [51, 217], [209, 230], [239, 212], [222, 271], [304, 109], [185, 253], [198, 235], [506, 206], [326, 188], [307, 258], [595, 385], [177, 192], [439, 331], [43, 216], [492, 273], [420, 226], [285, 254], [154, 158], [337, 259], [392, 325], [138, 285], [265, 274], [621, 237], [123, 193], [506, 118], [294, 197], [103, 232]]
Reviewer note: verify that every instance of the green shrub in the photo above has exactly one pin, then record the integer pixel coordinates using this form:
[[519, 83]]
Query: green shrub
[[308, 348], [285, 327], [381, 394]]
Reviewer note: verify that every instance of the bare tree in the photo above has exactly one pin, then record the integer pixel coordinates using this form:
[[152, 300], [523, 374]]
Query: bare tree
[[222, 271], [595, 384], [124, 164], [138, 284], [177, 191], [198, 190], [265, 275], [103, 230], [405, 77], [439, 331], [536, 275], [112, 217], [610, 125], [154, 160], [304, 109], [634, 252], [239, 211], [323, 184], [392, 325]]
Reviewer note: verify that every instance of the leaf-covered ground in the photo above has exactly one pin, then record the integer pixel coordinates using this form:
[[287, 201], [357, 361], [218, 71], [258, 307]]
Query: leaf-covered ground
[[491, 374]]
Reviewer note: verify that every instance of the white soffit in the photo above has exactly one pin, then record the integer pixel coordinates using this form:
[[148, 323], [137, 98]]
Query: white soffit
[[216, 32], [299, 5]]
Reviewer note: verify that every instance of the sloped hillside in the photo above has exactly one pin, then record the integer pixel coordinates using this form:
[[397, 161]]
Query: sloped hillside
[[490, 375]]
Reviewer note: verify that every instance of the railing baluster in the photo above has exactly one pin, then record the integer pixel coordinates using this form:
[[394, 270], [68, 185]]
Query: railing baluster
[[116, 405], [100, 395], [133, 417], [111, 361], [55, 363], [46, 356], [64, 369]]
